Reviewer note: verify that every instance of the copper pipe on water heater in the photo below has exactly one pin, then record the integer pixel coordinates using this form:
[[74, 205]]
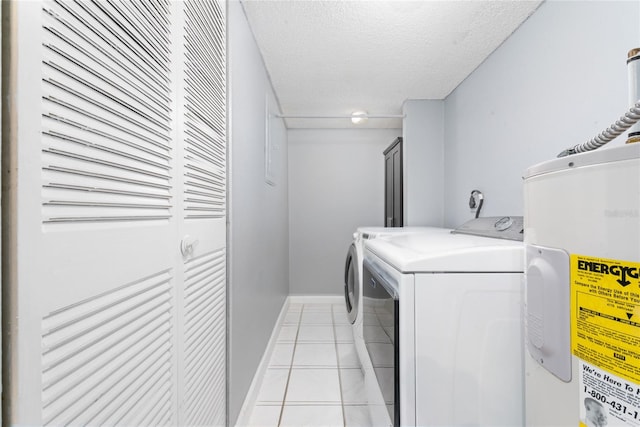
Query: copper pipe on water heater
[[633, 67]]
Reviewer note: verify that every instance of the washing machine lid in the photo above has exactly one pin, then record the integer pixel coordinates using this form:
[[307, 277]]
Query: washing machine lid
[[448, 253]]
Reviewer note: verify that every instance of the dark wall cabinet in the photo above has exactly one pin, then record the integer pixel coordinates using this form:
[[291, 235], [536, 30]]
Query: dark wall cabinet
[[393, 184]]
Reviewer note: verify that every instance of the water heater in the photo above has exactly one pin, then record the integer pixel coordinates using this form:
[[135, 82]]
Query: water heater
[[582, 305]]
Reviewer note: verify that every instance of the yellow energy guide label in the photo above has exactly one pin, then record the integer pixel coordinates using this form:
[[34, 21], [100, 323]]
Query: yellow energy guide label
[[605, 314]]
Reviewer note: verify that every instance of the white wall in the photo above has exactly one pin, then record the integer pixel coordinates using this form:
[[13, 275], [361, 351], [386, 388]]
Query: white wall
[[259, 229], [423, 162], [336, 183], [559, 80]]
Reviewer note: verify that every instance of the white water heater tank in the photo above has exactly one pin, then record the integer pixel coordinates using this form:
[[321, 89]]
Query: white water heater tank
[[582, 305]]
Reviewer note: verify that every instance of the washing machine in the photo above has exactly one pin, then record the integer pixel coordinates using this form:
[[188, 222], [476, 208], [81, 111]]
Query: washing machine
[[442, 326], [353, 273]]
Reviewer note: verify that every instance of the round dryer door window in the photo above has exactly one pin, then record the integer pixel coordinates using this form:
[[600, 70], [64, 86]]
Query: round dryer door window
[[351, 283]]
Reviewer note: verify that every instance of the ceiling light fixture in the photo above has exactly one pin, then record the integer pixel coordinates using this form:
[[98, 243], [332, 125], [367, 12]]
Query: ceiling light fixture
[[359, 117]]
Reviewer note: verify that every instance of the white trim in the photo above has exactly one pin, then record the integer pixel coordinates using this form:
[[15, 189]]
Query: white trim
[[350, 116], [316, 299]]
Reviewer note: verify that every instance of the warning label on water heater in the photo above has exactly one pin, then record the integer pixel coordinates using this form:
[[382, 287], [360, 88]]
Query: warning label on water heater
[[605, 314]]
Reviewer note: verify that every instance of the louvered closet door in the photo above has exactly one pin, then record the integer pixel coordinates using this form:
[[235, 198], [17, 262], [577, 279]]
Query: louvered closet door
[[203, 220], [118, 318]]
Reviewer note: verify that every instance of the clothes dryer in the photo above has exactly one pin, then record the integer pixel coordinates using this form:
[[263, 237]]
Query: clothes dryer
[[353, 272], [442, 327]]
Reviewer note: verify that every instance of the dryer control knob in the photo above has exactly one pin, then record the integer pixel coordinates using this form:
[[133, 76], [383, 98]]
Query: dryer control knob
[[503, 223]]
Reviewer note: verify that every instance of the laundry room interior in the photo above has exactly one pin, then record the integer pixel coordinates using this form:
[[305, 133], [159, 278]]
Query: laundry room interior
[[480, 98], [559, 79]]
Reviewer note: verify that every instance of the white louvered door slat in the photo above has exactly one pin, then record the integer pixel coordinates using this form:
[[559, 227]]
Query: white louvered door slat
[[120, 153]]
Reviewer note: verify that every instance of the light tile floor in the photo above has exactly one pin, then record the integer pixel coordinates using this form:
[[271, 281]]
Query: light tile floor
[[314, 376]]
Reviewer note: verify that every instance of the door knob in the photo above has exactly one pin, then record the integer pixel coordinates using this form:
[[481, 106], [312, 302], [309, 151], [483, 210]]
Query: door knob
[[188, 245]]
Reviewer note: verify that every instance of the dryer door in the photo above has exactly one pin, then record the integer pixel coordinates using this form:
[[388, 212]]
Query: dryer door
[[351, 283]]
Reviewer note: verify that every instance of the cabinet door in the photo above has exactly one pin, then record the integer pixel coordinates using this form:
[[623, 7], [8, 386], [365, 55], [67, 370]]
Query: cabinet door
[[393, 184], [114, 313]]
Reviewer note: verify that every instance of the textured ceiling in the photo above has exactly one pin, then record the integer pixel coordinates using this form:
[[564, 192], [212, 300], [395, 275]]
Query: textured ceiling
[[337, 57]]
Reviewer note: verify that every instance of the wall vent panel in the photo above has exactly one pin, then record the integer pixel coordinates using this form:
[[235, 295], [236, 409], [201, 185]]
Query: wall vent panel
[[204, 341], [204, 110], [108, 360], [107, 112]]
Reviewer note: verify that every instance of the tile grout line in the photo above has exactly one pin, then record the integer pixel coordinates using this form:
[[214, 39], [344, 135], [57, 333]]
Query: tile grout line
[[293, 355], [335, 344]]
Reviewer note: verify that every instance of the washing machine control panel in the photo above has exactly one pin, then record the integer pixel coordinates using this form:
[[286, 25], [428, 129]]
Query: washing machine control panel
[[499, 227]]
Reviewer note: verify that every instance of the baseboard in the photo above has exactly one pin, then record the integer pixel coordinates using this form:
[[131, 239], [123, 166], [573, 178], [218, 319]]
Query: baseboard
[[256, 383], [319, 299]]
